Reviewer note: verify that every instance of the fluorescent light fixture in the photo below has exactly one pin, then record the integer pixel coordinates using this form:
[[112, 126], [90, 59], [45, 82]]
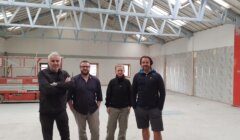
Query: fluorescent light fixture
[[61, 15], [140, 3], [61, 2], [8, 14], [209, 8], [13, 28], [222, 3], [142, 38], [151, 29], [158, 11], [178, 22]]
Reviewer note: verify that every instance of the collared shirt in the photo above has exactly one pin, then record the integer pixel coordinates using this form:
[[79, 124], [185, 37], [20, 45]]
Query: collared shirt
[[85, 94]]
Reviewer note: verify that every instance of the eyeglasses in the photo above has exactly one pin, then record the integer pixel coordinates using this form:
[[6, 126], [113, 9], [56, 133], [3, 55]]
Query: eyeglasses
[[84, 66]]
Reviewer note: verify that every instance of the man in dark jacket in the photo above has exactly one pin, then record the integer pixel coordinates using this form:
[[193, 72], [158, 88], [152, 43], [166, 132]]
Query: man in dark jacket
[[118, 103], [53, 84], [84, 100], [148, 99]]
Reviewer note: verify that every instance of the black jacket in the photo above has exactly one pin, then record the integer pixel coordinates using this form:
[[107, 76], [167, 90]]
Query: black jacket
[[148, 90], [85, 94], [118, 93], [53, 99]]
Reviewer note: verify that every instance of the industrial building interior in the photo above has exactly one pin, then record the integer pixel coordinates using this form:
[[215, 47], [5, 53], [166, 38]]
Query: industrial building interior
[[194, 44]]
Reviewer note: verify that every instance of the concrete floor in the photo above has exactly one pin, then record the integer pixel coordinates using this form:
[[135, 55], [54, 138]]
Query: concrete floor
[[185, 118]]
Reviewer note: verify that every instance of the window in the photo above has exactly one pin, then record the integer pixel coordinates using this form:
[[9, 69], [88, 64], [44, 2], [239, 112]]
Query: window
[[126, 70], [94, 69], [43, 66]]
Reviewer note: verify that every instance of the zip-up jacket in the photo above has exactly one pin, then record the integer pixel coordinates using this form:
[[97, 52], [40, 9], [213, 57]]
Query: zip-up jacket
[[118, 93], [148, 90]]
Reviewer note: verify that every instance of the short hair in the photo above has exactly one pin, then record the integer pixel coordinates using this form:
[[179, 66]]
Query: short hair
[[119, 65], [53, 54], [148, 57], [84, 61]]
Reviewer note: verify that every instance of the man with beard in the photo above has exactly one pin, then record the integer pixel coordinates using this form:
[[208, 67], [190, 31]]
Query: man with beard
[[84, 100], [148, 99], [53, 84]]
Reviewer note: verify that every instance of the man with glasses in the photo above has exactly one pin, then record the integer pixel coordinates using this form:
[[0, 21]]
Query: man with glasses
[[53, 85], [84, 100]]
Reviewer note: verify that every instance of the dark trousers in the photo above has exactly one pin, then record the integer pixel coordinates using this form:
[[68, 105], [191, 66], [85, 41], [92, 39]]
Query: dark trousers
[[47, 121]]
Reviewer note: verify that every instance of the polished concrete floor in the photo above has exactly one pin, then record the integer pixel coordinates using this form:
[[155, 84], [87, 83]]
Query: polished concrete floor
[[185, 118]]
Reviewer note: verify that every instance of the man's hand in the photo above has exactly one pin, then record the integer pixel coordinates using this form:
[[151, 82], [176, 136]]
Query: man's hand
[[70, 104], [129, 108], [108, 110], [53, 84], [98, 103], [68, 79]]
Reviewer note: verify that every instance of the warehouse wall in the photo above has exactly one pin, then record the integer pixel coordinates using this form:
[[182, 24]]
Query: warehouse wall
[[201, 65], [106, 54], [1, 45]]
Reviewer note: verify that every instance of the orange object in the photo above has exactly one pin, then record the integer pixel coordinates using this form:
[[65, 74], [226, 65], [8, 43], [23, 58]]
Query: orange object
[[236, 82]]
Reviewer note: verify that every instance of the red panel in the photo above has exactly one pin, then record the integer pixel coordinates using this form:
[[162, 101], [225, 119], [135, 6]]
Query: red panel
[[236, 85]]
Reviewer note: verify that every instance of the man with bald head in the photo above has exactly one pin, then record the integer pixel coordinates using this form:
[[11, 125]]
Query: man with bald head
[[53, 85]]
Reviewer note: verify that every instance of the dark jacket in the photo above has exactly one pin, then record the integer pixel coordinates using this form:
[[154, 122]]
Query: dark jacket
[[118, 93], [53, 99], [85, 94], [148, 90]]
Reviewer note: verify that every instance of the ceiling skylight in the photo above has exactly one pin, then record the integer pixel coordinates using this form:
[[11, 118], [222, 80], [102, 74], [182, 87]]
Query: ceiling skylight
[[222, 3], [178, 22], [61, 2], [61, 15], [142, 38], [158, 11], [151, 29], [8, 14], [13, 28], [199, 2]]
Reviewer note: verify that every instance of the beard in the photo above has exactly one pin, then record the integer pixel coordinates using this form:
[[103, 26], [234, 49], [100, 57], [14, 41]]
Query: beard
[[85, 72]]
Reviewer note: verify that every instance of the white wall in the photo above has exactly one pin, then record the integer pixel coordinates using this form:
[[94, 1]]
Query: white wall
[[218, 37], [1, 45], [219, 41]]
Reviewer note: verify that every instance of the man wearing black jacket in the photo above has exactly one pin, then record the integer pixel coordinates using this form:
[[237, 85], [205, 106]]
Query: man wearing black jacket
[[148, 99], [53, 84], [118, 103]]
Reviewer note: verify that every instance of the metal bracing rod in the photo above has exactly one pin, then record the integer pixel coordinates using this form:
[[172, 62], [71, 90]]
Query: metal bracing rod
[[106, 17], [193, 7], [139, 25], [100, 14], [75, 17], [202, 9], [162, 27], [4, 15], [147, 9], [14, 14], [126, 18], [87, 29], [102, 11], [29, 16], [176, 8]]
